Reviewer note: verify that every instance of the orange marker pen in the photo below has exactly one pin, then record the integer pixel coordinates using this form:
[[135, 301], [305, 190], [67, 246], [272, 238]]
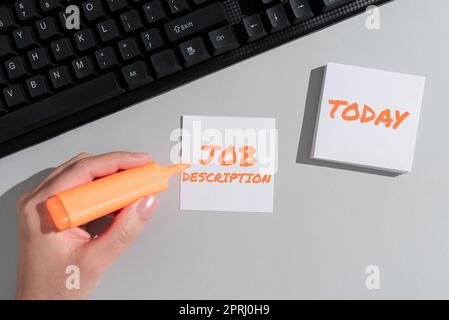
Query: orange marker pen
[[80, 205]]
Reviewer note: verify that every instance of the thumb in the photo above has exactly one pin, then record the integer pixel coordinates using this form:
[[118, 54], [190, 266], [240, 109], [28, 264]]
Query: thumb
[[124, 230]]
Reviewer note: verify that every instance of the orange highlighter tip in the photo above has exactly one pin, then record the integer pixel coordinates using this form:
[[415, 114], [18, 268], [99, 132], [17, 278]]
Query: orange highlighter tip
[[175, 169]]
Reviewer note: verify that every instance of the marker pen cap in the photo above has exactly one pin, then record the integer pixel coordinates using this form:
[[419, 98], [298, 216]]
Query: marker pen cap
[[58, 213], [80, 205]]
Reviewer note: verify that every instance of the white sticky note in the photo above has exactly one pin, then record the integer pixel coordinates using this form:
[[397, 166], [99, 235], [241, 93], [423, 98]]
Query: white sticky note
[[368, 118], [233, 163]]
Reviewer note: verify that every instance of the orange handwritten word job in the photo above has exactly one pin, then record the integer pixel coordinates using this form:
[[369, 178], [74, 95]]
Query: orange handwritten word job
[[354, 112]]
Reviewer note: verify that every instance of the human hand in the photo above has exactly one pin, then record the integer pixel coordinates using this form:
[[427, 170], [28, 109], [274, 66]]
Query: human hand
[[45, 252]]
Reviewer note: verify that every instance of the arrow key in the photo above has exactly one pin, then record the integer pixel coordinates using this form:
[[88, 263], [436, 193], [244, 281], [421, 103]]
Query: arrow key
[[278, 18], [253, 28]]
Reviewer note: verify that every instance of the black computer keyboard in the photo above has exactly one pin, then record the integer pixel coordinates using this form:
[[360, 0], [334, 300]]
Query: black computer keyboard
[[54, 77]]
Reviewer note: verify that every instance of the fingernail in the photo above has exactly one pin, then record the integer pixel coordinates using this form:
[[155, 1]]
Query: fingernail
[[141, 155], [146, 207]]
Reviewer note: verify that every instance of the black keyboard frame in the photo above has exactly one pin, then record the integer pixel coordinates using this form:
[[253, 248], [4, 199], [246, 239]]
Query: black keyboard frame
[[185, 76]]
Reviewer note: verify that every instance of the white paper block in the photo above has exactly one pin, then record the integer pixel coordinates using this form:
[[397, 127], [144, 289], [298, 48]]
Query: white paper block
[[237, 196], [347, 139]]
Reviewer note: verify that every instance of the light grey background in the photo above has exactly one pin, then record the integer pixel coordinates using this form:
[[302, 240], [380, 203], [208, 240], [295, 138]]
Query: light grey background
[[328, 224]]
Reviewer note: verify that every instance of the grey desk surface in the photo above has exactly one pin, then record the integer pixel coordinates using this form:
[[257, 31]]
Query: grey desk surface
[[328, 224]]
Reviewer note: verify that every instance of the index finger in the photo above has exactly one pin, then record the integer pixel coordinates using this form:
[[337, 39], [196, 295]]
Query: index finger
[[88, 169], [58, 170]]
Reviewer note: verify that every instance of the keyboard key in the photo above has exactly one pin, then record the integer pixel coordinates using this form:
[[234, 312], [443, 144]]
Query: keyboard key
[[152, 39], [129, 49], [60, 105], [93, 10], [47, 28], [63, 19], [60, 77], [136, 75], [6, 48], [48, 6], [327, 5], [194, 51], [223, 40], [300, 10], [24, 37], [177, 7], [165, 63], [278, 18], [131, 21], [108, 30], [39, 58], [85, 40], [117, 5], [106, 58], [26, 10], [62, 49], [14, 96], [154, 12], [16, 68], [37, 86], [254, 28], [195, 22], [6, 20], [83, 68]]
